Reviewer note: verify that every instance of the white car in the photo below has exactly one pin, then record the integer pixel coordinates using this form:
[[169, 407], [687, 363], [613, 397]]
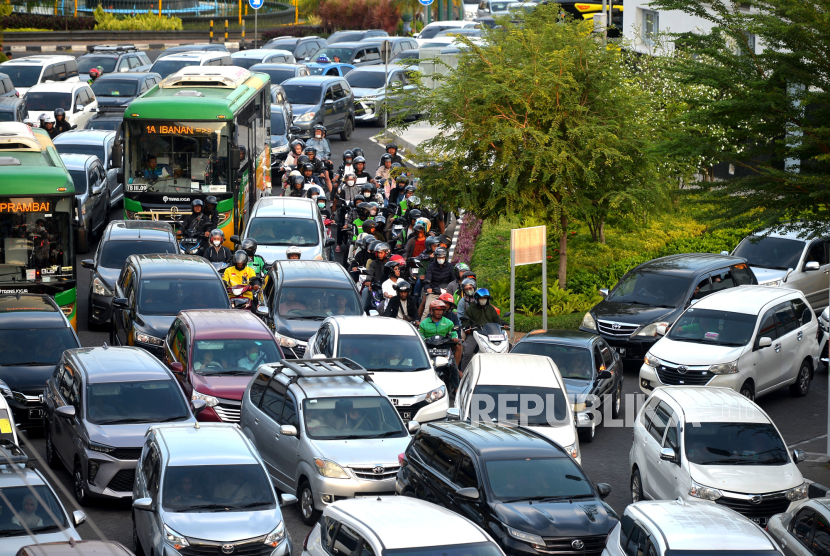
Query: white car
[[247, 58], [395, 354], [431, 29], [171, 64], [704, 443], [684, 527], [76, 98], [753, 339], [794, 530], [30, 70], [504, 379]]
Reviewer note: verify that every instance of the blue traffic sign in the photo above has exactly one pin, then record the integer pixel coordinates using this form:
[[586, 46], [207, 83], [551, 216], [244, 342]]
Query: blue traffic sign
[[426, 2], [256, 4]]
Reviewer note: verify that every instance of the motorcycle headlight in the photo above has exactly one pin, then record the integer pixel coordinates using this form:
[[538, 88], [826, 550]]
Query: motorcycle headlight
[[99, 288], [579, 406], [704, 492], [279, 149], [276, 536], [209, 400], [588, 322], [307, 117], [147, 339], [651, 329], [175, 539], [798, 493], [572, 450], [526, 537], [724, 368], [330, 469], [436, 394], [237, 291], [285, 341], [652, 361]]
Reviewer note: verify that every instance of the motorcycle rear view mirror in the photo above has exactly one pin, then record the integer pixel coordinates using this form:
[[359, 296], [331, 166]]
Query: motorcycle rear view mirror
[[234, 158]]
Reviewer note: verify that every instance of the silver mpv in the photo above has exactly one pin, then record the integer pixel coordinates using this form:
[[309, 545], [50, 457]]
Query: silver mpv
[[325, 431], [202, 489]]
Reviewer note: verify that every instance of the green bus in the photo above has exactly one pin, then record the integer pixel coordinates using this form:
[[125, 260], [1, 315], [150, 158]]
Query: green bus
[[202, 131], [37, 217]]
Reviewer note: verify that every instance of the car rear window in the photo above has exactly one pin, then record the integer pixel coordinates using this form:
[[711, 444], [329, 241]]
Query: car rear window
[[114, 253]]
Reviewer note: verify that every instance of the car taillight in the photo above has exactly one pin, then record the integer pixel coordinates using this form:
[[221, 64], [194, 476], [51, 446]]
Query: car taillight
[[402, 459], [305, 541]]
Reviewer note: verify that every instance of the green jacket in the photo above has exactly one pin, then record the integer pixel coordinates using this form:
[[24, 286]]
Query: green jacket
[[444, 327], [476, 314], [258, 264]]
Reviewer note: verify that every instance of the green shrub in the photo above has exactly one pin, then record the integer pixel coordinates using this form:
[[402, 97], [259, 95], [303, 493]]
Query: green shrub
[[143, 22]]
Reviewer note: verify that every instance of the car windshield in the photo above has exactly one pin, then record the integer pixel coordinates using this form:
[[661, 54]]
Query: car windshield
[[79, 179], [288, 45], [345, 37], [546, 406], [537, 478], [647, 288], [22, 76], [708, 326], [86, 63], [430, 32], [271, 230], [280, 75], [169, 67], [771, 252], [343, 54], [246, 62], [71, 148], [347, 418], [317, 303], [109, 125], [217, 488], [365, 79], [142, 401], [114, 253], [31, 507], [472, 549], [233, 357], [47, 102], [48, 343], [169, 297], [735, 444], [394, 353], [277, 121], [114, 87], [496, 7], [302, 94], [573, 362], [7, 117]]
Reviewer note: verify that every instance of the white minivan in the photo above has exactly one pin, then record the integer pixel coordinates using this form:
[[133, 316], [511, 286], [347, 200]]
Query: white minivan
[[753, 339], [704, 443]]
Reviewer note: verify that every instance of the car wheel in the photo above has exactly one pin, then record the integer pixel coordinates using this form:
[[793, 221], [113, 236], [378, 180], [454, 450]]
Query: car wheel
[[136, 543], [802, 383], [51, 456], [586, 434], [636, 487], [346, 134], [307, 512], [617, 401], [748, 391], [383, 118], [410, 494], [78, 486]]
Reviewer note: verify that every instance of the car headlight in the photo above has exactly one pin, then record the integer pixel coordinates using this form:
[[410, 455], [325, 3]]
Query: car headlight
[[771, 283], [99, 288], [307, 117], [651, 329], [285, 341], [704, 492], [209, 400], [436, 394], [175, 539], [103, 448], [724, 368], [588, 322], [276, 536], [798, 493], [526, 537], [652, 361], [579, 406], [572, 450], [5, 390], [330, 469], [147, 339], [280, 149]]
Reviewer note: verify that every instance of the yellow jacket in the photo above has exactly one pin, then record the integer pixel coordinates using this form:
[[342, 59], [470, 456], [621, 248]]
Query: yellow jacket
[[234, 277]]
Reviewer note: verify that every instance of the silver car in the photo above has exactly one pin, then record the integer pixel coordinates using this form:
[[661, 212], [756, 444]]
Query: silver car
[[91, 197], [202, 489], [803, 531], [97, 143], [280, 222], [371, 89], [325, 431]]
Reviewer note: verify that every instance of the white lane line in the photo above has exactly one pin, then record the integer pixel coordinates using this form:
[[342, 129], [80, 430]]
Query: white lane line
[[455, 235]]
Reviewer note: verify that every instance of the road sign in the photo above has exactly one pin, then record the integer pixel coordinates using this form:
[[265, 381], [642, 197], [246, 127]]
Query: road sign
[[426, 2], [256, 4], [386, 51]]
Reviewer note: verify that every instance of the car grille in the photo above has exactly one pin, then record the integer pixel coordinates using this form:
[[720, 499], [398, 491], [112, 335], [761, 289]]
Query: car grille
[[616, 329], [228, 410], [408, 412], [254, 547], [588, 546], [122, 481], [671, 375], [769, 505], [368, 473], [126, 453]]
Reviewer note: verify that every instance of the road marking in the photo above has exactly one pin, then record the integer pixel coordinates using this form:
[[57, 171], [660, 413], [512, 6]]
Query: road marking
[[458, 222]]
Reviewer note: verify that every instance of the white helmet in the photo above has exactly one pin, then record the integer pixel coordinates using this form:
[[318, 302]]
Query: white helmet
[[30, 122], [49, 119], [294, 250]]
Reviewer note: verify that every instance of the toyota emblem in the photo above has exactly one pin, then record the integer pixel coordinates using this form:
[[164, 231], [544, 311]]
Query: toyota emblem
[[756, 499], [378, 469], [577, 544], [682, 369], [227, 549], [615, 326]]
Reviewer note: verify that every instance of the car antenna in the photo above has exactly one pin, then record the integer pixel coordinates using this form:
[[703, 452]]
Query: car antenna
[[379, 500], [71, 542], [196, 425], [105, 345]]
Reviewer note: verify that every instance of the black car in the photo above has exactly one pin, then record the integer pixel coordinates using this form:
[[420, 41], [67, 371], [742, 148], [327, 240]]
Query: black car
[[119, 240], [591, 370], [520, 487], [34, 333], [352, 36], [281, 134], [109, 121], [181, 49], [12, 109], [7, 87], [298, 295], [303, 48], [115, 91], [153, 289], [654, 294], [113, 59]]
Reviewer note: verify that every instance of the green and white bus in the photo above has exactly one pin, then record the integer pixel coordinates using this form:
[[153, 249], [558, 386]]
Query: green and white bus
[[37, 217], [202, 131]]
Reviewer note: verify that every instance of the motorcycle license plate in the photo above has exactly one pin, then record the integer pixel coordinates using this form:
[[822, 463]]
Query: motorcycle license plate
[[35, 414], [495, 337]]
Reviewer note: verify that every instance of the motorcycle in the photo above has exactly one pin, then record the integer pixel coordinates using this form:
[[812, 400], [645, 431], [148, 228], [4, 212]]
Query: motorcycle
[[237, 296], [440, 350], [191, 241], [491, 338]]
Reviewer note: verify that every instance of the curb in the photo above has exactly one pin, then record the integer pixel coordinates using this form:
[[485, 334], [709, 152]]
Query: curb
[[82, 48]]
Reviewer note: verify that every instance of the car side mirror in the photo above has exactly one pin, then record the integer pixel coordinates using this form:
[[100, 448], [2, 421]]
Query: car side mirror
[[604, 375], [693, 301], [66, 411], [667, 454], [661, 329], [121, 303], [288, 430], [330, 242], [470, 493], [812, 265], [235, 239], [287, 500], [79, 108], [88, 263], [294, 130], [329, 102], [799, 456], [145, 504], [117, 153], [453, 414], [177, 368], [604, 489], [413, 426], [78, 517], [764, 342], [262, 310], [603, 292], [198, 405]]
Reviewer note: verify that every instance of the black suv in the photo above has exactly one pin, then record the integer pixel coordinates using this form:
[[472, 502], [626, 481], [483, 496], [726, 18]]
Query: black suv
[[654, 294], [6, 87], [153, 289], [33, 335], [121, 239], [303, 48], [115, 91], [520, 487], [113, 59]]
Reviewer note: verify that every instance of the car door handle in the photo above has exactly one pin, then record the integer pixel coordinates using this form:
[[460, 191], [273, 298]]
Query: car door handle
[[800, 335], [777, 348], [256, 421]]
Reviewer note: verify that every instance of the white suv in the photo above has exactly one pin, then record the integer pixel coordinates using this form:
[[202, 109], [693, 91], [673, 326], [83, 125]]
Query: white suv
[[30, 70], [704, 443], [76, 98], [753, 339], [169, 65]]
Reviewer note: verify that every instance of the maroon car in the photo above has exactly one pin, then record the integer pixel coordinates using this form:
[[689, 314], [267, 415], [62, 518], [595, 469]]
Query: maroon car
[[214, 354]]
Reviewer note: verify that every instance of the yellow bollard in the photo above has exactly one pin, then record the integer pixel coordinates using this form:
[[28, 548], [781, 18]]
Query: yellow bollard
[[211, 30], [159, 8], [240, 12], [226, 30], [243, 32], [76, 8]]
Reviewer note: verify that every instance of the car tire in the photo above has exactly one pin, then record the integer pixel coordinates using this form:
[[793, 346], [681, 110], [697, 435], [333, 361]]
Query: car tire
[[636, 487], [78, 486], [801, 386], [616, 402], [748, 390], [51, 456], [308, 514], [410, 494], [346, 134], [136, 542], [383, 118], [586, 434]]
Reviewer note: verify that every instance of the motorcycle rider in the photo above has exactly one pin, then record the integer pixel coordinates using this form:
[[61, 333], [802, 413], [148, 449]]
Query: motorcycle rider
[[370, 227], [295, 187], [210, 209], [458, 270], [309, 178], [319, 142], [296, 151], [293, 253], [468, 291], [361, 255], [94, 74], [362, 215], [392, 151], [360, 171], [417, 242], [199, 221], [255, 261], [216, 252], [439, 325], [450, 313], [384, 171], [374, 273], [319, 170], [347, 167], [438, 276], [60, 121], [49, 126], [477, 314], [402, 306], [394, 268], [396, 193], [240, 274]]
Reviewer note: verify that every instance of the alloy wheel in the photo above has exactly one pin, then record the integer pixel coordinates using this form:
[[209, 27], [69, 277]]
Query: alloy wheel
[[78, 483], [636, 488], [307, 503]]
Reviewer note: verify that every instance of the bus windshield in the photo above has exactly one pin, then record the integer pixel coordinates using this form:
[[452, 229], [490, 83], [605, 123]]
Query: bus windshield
[[177, 157], [35, 233]]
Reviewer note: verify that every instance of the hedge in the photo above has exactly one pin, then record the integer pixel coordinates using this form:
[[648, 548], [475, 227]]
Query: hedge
[[50, 22]]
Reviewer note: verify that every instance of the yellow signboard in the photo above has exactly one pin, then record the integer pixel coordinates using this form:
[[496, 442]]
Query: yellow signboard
[[528, 245]]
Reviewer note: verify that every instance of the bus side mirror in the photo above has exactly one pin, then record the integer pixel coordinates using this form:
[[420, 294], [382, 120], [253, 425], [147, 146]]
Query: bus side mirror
[[234, 161], [115, 159]]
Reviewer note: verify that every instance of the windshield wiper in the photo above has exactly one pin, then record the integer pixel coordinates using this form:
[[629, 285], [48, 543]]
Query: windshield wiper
[[550, 498], [232, 372], [207, 507], [176, 418], [26, 364], [126, 421], [254, 505], [45, 528], [385, 434], [730, 461]]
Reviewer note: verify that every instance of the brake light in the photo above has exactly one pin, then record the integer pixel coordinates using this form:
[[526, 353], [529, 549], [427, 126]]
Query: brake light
[[305, 541], [402, 459]]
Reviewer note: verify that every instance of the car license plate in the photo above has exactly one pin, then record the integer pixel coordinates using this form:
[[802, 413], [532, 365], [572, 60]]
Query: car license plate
[[761, 521], [495, 337], [35, 414], [621, 351], [406, 415]]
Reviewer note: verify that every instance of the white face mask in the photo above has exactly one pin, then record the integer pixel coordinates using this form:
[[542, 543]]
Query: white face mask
[[349, 183], [441, 261], [318, 136], [482, 302], [217, 243]]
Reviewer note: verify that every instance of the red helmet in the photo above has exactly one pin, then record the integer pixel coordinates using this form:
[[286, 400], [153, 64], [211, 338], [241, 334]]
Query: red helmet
[[446, 297], [436, 305], [94, 73], [397, 258]]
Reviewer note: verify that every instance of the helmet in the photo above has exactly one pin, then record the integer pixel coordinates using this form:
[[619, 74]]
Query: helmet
[[310, 150], [369, 186], [397, 165], [430, 241], [371, 243], [391, 146], [425, 221], [359, 160], [357, 152], [444, 240], [320, 127], [41, 117], [467, 282], [60, 112], [323, 59], [302, 159], [312, 190], [211, 200], [293, 250], [294, 173], [413, 202], [400, 182], [380, 220], [402, 286], [363, 210], [196, 203], [416, 227], [373, 211], [441, 253], [358, 199], [382, 246], [348, 175], [446, 297], [391, 265], [297, 180], [469, 274], [308, 166], [369, 225], [385, 157], [49, 119], [482, 292], [409, 189], [220, 234], [460, 269], [100, 69], [240, 258], [436, 305], [296, 142], [414, 215], [249, 246], [94, 73], [398, 258], [347, 154]]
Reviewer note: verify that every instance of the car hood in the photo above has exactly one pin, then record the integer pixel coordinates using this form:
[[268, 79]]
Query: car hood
[[576, 387], [277, 140], [633, 314], [223, 526], [406, 384], [122, 436], [228, 387], [114, 101], [564, 435], [157, 325], [297, 329], [28, 380], [767, 274], [11, 545], [580, 518], [363, 452], [360, 92], [689, 353], [273, 253], [109, 276], [300, 109], [747, 479]]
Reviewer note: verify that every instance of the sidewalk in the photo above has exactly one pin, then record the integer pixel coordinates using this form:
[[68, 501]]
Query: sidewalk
[[409, 140]]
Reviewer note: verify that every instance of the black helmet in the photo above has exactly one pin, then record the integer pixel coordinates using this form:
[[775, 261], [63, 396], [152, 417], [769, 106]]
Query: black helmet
[[320, 127], [196, 203], [60, 112], [418, 226], [359, 160], [371, 243], [430, 241], [307, 166], [402, 286], [240, 257], [386, 157], [380, 221], [302, 159], [347, 154], [310, 150], [369, 186], [400, 182], [357, 152], [249, 246], [297, 180], [313, 189], [390, 266], [368, 226], [444, 240], [441, 253], [409, 188], [359, 198], [392, 146], [363, 210], [296, 142], [211, 200], [413, 215]]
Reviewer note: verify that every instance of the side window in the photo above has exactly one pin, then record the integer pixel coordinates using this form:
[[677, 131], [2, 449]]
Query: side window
[[671, 433], [321, 339], [327, 527], [446, 459], [722, 279], [134, 61], [802, 526], [59, 72], [600, 366], [289, 412], [741, 274], [817, 253], [71, 69], [273, 399], [821, 537], [767, 328], [75, 393], [152, 468], [346, 89], [803, 313], [607, 356], [67, 380], [466, 474], [359, 56], [330, 93], [337, 91], [395, 82], [345, 542], [648, 412], [180, 346], [366, 549], [659, 423], [123, 65], [227, 61], [424, 447], [702, 289], [48, 74], [636, 544], [372, 54], [258, 387], [785, 318]]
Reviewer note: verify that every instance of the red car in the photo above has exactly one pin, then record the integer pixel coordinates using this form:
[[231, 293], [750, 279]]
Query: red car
[[214, 354]]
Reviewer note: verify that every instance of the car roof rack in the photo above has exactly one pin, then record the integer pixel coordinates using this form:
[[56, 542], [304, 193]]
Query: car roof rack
[[11, 453], [296, 369], [114, 48]]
